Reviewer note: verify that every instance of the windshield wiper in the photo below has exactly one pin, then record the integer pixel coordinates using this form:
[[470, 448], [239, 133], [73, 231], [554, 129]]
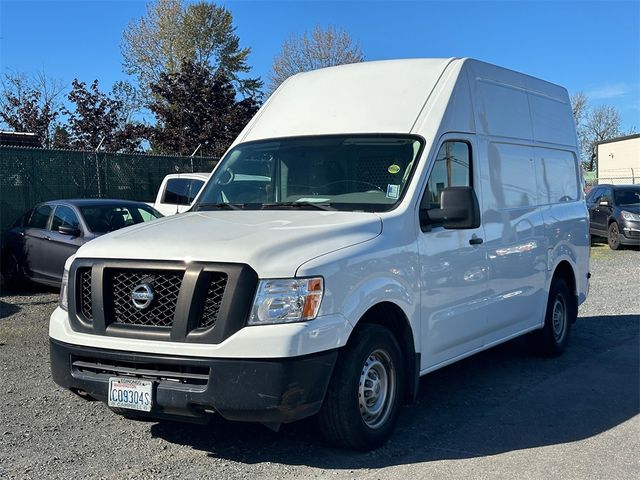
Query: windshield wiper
[[318, 206], [219, 206]]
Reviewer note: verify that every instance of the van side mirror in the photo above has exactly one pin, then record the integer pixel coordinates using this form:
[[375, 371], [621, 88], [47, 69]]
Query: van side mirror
[[458, 210]]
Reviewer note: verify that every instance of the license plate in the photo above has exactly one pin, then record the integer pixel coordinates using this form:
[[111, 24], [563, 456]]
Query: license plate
[[131, 393]]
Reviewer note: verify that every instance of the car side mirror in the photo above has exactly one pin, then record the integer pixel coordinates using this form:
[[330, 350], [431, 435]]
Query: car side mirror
[[604, 203], [69, 230], [458, 210]]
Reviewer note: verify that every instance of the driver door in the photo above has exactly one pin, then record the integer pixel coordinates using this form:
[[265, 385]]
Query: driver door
[[453, 266]]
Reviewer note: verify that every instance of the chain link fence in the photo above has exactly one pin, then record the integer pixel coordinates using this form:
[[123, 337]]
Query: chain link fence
[[32, 175], [593, 181]]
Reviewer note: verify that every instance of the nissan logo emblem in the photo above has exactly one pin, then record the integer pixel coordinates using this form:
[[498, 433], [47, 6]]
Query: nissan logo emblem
[[142, 296]]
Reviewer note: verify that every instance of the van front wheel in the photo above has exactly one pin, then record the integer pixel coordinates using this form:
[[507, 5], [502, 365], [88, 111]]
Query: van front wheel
[[361, 406]]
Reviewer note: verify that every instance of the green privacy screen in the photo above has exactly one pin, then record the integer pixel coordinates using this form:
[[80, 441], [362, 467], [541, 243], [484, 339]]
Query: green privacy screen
[[32, 175]]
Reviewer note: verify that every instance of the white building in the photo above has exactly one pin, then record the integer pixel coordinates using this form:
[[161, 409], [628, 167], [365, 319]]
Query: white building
[[619, 160]]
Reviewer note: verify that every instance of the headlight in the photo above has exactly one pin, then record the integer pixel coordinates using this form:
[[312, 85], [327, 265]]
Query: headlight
[[285, 301], [64, 298], [632, 217]]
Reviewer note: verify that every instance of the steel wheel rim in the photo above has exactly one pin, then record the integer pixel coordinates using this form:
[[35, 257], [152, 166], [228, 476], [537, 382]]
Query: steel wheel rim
[[377, 388], [559, 319]]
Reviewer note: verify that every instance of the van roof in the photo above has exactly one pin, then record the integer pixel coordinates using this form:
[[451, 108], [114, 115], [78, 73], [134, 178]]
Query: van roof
[[389, 96], [381, 96]]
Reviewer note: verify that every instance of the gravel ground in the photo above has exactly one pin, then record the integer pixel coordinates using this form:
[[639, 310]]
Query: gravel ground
[[499, 414]]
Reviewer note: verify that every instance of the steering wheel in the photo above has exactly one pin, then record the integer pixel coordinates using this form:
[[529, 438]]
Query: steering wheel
[[376, 187]]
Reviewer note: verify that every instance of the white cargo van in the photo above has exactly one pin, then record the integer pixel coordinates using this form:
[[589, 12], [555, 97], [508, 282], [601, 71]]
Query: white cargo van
[[371, 224]]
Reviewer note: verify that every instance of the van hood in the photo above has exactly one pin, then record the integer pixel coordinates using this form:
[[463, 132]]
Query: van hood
[[273, 242]]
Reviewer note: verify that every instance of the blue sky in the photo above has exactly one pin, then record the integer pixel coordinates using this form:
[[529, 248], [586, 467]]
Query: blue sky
[[590, 46]]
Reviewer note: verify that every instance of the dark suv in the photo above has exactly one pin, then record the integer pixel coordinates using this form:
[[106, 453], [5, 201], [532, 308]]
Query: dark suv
[[614, 211]]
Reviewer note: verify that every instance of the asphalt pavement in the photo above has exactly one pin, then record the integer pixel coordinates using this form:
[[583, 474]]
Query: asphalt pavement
[[501, 414]]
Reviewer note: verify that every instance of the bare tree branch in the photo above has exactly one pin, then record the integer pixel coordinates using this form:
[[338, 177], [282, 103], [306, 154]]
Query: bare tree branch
[[31, 104], [310, 51]]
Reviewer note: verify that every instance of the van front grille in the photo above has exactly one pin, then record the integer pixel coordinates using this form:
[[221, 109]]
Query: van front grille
[[213, 301], [84, 288], [165, 287], [171, 301]]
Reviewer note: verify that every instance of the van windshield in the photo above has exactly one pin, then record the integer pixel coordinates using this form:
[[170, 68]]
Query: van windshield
[[349, 173]]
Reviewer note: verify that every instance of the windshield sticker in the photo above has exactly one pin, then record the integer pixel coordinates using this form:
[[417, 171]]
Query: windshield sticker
[[393, 191], [393, 169]]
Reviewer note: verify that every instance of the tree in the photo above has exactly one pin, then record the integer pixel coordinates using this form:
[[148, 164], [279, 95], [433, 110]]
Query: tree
[[97, 116], [593, 125], [31, 105], [171, 32], [310, 51], [197, 107], [601, 123], [131, 101], [579, 105]]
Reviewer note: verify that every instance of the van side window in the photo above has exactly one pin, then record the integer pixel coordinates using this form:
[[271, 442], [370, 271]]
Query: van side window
[[452, 168]]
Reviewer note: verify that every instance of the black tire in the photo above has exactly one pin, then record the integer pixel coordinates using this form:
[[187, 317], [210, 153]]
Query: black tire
[[613, 237], [346, 420], [561, 313], [11, 275]]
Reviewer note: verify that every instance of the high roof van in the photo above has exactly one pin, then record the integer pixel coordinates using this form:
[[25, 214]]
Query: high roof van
[[371, 224]]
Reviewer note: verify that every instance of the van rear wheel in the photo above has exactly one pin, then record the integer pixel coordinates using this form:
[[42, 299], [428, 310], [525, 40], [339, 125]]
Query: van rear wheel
[[562, 311], [361, 406]]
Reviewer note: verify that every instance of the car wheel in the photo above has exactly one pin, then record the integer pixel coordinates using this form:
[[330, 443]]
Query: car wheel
[[562, 311], [12, 276], [614, 236], [361, 406]]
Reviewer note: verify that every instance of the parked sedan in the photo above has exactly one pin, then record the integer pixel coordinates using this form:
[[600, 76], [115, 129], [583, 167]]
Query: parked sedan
[[614, 211], [40, 241]]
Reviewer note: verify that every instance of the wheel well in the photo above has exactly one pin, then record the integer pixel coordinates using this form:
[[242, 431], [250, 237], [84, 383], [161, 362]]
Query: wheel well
[[391, 316], [611, 220], [565, 272]]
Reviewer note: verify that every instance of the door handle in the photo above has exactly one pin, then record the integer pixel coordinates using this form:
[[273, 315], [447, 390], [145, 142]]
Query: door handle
[[475, 241]]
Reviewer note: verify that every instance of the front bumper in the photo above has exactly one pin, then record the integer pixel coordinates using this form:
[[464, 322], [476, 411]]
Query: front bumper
[[630, 233], [254, 390]]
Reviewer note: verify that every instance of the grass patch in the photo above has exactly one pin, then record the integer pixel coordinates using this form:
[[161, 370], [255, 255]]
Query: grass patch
[[601, 251]]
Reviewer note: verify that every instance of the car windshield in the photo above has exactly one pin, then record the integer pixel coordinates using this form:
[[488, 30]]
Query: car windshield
[[627, 196], [365, 173], [107, 218]]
